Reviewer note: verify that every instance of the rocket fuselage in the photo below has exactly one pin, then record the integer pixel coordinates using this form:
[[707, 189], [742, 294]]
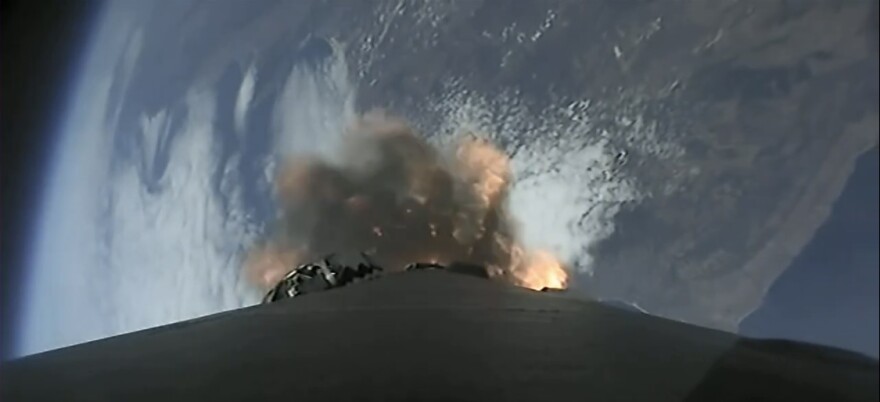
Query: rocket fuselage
[[435, 335]]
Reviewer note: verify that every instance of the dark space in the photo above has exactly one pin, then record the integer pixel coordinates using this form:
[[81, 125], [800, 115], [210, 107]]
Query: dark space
[[405, 335], [837, 271], [39, 42], [829, 293]]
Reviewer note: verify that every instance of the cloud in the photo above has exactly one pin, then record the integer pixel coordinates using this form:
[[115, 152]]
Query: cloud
[[243, 101]]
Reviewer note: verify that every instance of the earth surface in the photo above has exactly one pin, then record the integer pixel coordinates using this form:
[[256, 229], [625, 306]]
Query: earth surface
[[677, 155]]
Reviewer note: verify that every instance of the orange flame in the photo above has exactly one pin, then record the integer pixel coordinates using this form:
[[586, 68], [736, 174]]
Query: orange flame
[[397, 195], [485, 168], [543, 270]]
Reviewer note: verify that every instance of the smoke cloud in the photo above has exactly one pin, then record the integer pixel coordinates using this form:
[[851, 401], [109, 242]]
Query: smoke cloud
[[400, 199]]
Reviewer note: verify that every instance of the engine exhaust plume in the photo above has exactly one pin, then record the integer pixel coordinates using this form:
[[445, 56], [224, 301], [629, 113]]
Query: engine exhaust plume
[[401, 200]]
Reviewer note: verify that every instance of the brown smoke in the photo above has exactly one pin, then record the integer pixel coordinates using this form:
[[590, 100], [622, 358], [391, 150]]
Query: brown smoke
[[401, 200]]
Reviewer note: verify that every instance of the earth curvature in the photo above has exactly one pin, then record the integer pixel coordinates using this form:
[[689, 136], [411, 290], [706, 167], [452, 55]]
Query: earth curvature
[[677, 156]]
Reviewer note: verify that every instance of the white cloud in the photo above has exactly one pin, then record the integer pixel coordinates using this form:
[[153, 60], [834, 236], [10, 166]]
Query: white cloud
[[315, 106], [111, 257], [567, 189], [173, 254], [243, 101], [59, 294]]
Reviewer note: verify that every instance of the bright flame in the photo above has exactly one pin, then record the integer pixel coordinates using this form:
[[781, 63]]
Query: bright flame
[[543, 270], [393, 193]]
